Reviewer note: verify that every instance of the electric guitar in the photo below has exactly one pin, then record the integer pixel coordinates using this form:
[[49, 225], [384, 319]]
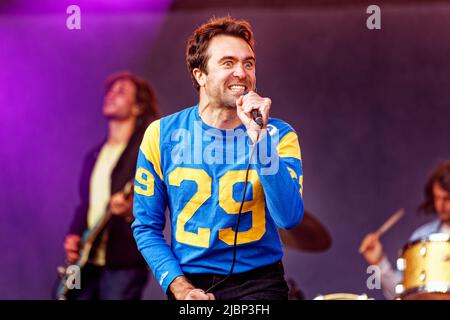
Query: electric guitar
[[87, 243]]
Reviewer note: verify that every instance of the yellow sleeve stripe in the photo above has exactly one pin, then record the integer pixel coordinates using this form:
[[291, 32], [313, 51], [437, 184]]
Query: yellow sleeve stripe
[[289, 146], [300, 181], [150, 146]]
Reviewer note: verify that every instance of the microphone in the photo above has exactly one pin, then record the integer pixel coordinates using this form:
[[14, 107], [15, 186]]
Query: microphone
[[256, 115]]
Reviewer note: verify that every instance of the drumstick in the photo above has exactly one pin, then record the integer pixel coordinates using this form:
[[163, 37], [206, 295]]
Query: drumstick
[[390, 222], [387, 225]]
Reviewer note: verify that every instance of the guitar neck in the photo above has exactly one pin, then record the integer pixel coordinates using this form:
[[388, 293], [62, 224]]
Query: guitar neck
[[101, 224], [93, 233]]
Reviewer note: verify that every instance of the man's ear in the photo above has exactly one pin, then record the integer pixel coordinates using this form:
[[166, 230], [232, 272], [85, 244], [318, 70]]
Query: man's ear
[[200, 76]]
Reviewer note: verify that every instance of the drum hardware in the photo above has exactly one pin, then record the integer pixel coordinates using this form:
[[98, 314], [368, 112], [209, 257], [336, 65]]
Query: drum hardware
[[309, 235]]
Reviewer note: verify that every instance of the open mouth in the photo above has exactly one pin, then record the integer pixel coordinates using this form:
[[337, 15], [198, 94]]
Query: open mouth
[[237, 88]]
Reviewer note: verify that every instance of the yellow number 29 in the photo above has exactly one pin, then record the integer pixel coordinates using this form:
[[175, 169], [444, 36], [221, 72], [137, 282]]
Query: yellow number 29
[[226, 202], [203, 181]]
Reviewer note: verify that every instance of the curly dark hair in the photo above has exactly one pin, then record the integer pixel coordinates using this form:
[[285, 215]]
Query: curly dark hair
[[145, 96], [197, 44], [441, 176]]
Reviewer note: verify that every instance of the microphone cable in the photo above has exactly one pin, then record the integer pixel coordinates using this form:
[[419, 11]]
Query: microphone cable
[[239, 218]]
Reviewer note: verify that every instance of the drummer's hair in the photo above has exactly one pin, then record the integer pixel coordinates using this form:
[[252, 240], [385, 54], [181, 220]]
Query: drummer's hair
[[441, 176]]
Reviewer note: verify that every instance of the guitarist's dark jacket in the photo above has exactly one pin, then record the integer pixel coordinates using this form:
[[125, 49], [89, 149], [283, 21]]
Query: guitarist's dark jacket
[[121, 250]]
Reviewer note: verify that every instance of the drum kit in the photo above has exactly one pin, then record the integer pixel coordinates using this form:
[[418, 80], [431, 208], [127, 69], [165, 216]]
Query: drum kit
[[425, 263]]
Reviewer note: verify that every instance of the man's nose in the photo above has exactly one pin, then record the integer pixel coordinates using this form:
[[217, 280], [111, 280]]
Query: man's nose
[[110, 95], [239, 71]]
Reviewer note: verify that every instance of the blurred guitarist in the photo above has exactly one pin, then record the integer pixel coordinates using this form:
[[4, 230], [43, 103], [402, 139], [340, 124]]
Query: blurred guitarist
[[115, 269]]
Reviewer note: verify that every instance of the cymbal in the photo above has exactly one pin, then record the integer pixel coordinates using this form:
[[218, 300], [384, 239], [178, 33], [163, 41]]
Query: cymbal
[[309, 235]]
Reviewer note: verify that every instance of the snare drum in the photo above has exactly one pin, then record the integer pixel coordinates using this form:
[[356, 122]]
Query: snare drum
[[425, 264]]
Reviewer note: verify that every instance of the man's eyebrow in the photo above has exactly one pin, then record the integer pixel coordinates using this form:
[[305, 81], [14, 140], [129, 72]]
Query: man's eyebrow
[[234, 58]]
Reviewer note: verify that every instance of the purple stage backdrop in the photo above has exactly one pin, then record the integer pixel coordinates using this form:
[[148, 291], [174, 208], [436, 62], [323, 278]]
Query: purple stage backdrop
[[372, 110]]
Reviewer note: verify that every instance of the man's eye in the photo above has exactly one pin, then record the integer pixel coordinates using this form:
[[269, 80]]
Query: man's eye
[[227, 63], [248, 65]]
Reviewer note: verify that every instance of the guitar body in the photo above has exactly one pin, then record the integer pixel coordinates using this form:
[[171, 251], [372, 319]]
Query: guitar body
[[87, 243]]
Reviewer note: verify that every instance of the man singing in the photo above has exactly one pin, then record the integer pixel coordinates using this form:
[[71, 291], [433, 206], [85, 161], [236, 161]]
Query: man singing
[[224, 243]]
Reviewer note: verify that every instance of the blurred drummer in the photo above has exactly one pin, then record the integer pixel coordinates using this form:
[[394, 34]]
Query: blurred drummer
[[437, 201]]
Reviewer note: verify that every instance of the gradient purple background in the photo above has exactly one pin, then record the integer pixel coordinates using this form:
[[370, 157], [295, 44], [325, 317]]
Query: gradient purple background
[[372, 109]]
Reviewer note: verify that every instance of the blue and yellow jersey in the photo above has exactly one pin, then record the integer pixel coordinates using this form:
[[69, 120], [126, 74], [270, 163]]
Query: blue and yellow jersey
[[198, 172]]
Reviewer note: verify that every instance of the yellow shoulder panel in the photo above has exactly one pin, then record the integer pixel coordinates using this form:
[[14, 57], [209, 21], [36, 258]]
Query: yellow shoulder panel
[[150, 146]]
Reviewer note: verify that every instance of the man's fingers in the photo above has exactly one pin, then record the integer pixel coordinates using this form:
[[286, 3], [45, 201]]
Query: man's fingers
[[70, 244], [120, 208], [363, 247], [70, 247], [117, 205], [117, 201], [369, 242], [265, 109], [72, 256], [199, 294], [365, 244], [255, 102], [118, 197]]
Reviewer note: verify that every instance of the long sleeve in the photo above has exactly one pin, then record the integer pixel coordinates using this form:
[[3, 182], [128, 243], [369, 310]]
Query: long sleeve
[[150, 201], [280, 172], [389, 278]]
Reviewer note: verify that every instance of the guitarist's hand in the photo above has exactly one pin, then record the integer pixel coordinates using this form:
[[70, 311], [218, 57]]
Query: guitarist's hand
[[72, 247], [121, 206]]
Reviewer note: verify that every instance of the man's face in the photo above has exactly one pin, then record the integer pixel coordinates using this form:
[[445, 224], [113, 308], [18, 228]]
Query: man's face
[[230, 70], [119, 102], [442, 202]]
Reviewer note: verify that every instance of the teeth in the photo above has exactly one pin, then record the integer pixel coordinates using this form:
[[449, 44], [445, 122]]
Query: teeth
[[237, 88]]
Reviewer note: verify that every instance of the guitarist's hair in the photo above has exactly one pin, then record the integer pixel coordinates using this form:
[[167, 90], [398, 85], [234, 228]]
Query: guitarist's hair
[[145, 96]]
